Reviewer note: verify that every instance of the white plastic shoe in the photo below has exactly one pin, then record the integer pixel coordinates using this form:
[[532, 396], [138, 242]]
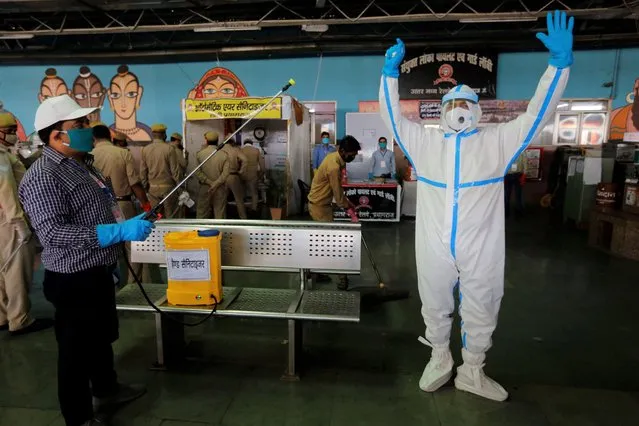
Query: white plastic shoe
[[471, 378], [439, 369]]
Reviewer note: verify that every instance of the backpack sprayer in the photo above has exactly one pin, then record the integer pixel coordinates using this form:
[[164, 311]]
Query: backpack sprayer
[[154, 214]]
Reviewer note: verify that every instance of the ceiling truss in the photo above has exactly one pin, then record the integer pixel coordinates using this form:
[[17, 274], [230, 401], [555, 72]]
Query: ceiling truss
[[85, 27]]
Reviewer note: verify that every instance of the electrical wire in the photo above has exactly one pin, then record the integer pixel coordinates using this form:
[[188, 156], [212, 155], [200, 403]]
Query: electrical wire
[[158, 310]]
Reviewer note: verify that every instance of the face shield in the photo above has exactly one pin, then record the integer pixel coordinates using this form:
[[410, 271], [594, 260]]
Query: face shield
[[460, 110]]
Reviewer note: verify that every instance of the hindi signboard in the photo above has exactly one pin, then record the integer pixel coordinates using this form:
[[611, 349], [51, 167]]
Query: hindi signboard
[[188, 265], [428, 75], [207, 109]]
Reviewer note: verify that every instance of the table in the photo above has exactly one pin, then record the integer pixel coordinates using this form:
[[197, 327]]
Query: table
[[376, 202], [615, 232]]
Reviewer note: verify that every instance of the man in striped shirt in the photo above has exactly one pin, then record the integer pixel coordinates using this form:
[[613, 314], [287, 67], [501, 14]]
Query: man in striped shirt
[[75, 214]]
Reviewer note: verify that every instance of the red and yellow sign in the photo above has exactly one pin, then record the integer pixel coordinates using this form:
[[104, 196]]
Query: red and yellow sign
[[210, 109]]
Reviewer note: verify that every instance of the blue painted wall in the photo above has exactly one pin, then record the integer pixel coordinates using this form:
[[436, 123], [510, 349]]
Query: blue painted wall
[[344, 79]]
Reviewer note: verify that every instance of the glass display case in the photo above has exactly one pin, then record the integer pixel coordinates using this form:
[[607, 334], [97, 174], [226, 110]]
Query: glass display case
[[580, 122]]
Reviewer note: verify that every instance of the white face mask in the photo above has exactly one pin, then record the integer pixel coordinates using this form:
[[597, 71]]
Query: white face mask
[[11, 139], [459, 119]]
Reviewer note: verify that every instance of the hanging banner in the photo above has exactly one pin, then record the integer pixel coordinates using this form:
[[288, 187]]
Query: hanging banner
[[207, 109], [432, 75]]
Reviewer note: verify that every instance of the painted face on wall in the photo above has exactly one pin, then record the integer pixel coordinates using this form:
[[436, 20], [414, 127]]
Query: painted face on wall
[[219, 88], [218, 83], [125, 93], [89, 92], [52, 85]]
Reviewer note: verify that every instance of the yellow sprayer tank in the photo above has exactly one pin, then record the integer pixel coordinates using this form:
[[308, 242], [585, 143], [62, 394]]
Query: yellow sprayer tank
[[194, 267]]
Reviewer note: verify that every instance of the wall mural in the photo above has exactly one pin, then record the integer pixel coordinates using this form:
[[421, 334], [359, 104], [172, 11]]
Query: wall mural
[[216, 83], [124, 93], [626, 118], [125, 97], [52, 85], [89, 92]]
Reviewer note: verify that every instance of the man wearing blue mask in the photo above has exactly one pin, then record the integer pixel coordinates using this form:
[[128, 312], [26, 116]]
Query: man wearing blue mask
[[321, 151], [459, 228], [382, 162], [76, 216]]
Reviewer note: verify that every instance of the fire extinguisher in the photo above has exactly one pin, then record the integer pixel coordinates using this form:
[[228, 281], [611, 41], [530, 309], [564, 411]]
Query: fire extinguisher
[[344, 176]]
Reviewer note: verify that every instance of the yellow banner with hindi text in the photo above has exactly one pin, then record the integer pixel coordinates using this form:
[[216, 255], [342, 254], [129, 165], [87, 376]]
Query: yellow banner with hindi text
[[210, 109]]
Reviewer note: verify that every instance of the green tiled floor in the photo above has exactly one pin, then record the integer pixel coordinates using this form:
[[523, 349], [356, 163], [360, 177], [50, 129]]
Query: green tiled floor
[[566, 349]]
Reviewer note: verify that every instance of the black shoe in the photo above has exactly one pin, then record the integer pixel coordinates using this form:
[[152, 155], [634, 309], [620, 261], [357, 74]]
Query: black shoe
[[342, 285], [322, 278], [37, 325], [4, 327], [124, 394]]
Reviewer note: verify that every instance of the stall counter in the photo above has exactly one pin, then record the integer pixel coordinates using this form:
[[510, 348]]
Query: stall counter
[[375, 202]]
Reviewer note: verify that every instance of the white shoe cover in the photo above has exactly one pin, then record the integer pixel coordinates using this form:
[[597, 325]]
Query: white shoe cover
[[439, 369], [471, 378]]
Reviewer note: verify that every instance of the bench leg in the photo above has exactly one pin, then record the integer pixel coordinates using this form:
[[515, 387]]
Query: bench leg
[[295, 340], [170, 342]]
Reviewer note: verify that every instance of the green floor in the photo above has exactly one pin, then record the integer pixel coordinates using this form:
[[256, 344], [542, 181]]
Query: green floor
[[566, 348]]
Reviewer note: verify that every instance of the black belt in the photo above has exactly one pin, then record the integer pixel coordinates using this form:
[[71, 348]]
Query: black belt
[[234, 173], [125, 198]]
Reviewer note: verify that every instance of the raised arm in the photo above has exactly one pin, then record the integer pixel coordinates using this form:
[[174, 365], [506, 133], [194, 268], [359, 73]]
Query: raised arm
[[516, 135], [410, 136]]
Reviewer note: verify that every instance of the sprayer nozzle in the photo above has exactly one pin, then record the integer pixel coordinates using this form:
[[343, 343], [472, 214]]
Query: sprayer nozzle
[[291, 82]]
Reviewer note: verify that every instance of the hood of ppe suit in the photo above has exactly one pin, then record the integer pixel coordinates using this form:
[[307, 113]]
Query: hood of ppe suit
[[461, 93]]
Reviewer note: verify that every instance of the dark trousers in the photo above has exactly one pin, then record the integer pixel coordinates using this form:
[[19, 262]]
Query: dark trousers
[[512, 182], [86, 324]]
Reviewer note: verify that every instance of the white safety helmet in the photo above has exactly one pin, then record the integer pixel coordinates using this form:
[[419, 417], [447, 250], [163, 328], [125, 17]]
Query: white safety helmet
[[460, 110]]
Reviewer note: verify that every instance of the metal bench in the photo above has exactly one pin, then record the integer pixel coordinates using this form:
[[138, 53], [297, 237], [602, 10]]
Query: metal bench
[[296, 247]]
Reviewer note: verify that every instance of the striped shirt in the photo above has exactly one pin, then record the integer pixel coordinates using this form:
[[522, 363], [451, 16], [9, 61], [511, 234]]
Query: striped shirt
[[65, 203]]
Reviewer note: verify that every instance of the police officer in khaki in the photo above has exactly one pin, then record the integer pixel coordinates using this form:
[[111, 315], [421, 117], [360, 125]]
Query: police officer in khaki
[[254, 170], [327, 186], [183, 156], [160, 171], [212, 176], [116, 164], [17, 249], [237, 168]]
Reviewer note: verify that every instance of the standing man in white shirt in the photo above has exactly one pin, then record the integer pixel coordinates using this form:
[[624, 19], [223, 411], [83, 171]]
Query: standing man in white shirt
[[382, 162]]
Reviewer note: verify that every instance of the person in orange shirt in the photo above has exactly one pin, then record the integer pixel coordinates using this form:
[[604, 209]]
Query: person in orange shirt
[[626, 119]]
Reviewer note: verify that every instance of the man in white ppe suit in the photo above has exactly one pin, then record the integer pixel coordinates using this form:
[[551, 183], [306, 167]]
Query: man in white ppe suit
[[459, 232]]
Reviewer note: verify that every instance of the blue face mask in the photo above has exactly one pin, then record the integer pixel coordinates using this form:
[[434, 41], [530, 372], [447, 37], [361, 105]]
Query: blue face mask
[[326, 141], [80, 139], [382, 145]]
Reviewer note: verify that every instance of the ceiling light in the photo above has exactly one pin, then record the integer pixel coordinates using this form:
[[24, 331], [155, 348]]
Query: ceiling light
[[320, 28], [223, 28], [16, 36], [497, 20], [587, 107]]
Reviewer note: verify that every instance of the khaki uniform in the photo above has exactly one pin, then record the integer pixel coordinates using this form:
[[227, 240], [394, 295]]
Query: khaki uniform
[[16, 278], [160, 172], [213, 174], [116, 164], [237, 168], [182, 163], [326, 185], [254, 170]]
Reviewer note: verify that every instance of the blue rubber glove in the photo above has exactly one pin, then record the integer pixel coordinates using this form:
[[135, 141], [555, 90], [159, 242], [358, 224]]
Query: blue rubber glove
[[135, 229], [370, 176], [394, 58], [559, 39]]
